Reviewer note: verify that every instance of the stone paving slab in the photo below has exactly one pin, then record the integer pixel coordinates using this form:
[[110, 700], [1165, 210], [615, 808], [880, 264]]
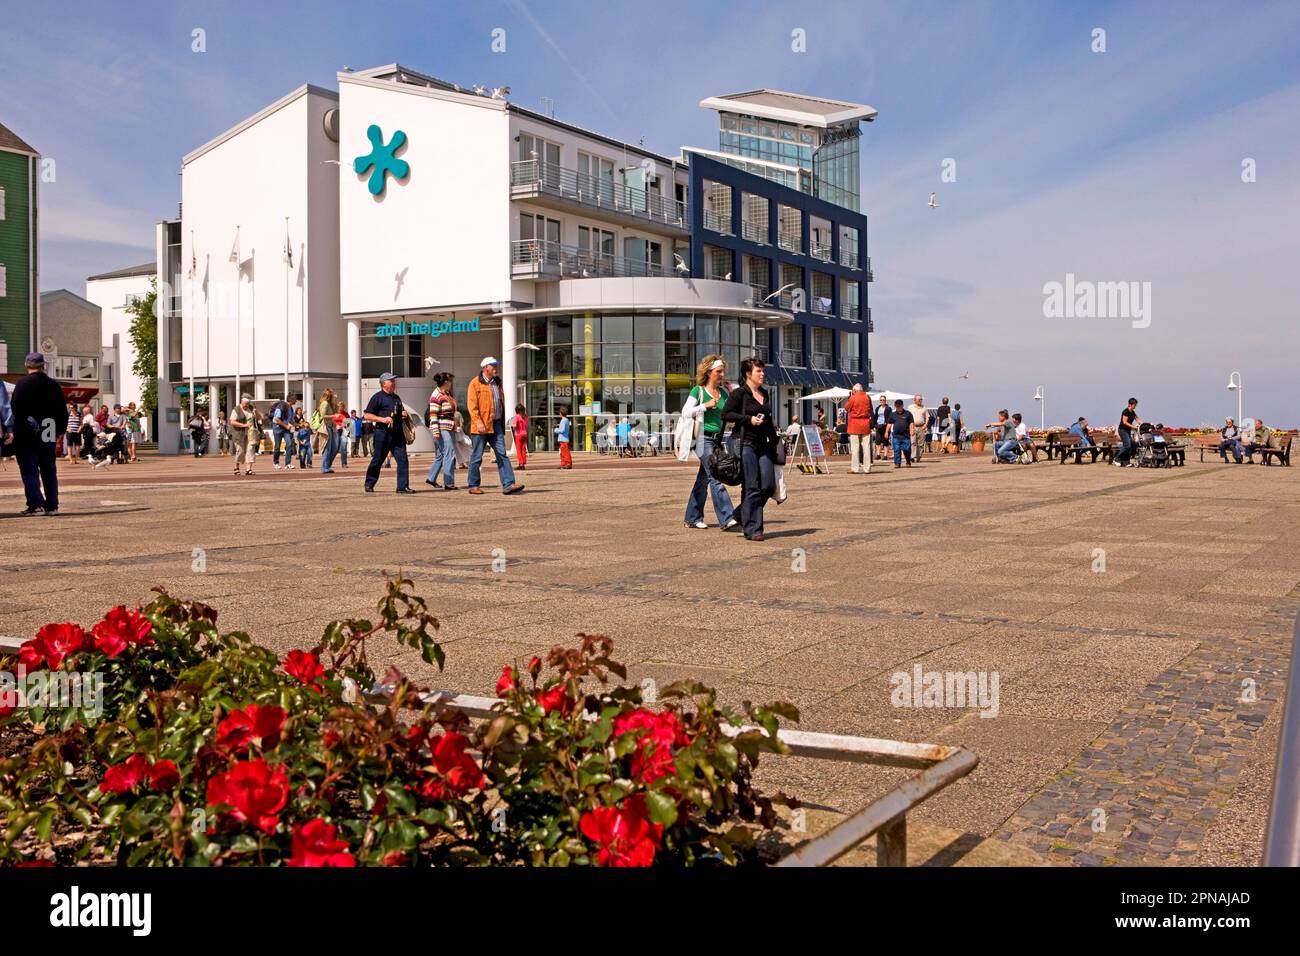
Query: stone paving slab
[[1117, 690]]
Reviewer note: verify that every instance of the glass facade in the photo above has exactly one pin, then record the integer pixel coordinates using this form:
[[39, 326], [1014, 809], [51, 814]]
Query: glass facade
[[403, 355], [610, 366], [836, 169]]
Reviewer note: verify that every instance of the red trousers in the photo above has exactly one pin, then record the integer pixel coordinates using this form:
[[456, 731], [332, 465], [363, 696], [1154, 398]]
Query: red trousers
[[520, 442], [566, 460]]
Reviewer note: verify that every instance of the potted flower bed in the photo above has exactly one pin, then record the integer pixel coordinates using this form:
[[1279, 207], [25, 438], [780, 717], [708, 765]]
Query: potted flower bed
[[207, 749], [978, 440]]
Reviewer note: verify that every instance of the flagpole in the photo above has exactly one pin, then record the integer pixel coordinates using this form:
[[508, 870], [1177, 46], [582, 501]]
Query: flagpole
[[252, 295], [193, 350], [239, 323], [288, 256]]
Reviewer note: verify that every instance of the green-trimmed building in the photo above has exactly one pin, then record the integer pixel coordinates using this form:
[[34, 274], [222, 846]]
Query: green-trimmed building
[[19, 285]]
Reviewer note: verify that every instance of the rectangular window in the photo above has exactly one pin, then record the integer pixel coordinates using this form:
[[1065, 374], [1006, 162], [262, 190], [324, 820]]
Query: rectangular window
[[2, 203], [3, 282], [596, 178]]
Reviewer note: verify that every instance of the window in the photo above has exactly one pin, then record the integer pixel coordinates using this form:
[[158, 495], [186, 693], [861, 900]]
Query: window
[[2, 203], [131, 299], [595, 251], [3, 282], [717, 263], [644, 257], [596, 178]]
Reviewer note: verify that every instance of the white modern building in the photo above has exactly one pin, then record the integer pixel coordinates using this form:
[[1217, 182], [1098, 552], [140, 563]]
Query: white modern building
[[468, 225], [114, 292]]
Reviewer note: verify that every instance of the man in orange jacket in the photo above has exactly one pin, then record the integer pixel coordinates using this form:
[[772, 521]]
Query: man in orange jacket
[[487, 423], [858, 407]]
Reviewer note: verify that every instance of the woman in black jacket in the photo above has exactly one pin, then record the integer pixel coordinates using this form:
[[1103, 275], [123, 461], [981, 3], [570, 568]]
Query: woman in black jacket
[[754, 433]]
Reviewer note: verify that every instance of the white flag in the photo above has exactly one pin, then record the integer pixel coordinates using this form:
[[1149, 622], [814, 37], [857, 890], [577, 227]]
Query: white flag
[[234, 250]]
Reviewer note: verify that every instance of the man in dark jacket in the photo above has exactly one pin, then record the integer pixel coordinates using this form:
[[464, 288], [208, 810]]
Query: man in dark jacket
[[40, 418]]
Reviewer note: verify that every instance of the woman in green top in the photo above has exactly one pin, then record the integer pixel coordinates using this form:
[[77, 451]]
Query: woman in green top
[[326, 409], [705, 404]]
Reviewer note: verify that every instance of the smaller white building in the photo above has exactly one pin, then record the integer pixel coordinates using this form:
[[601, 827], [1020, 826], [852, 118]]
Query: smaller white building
[[114, 292]]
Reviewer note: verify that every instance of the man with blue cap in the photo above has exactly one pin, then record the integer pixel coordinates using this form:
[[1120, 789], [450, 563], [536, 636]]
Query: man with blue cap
[[386, 411]]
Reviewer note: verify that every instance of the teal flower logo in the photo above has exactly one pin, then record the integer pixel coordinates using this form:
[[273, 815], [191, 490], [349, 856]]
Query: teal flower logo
[[381, 160]]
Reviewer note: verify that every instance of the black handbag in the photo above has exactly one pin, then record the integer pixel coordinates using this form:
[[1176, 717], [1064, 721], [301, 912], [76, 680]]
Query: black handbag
[[723, 464]]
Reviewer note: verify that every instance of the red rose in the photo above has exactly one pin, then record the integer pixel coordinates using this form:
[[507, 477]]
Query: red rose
[[304, 666], [254, 790], [241, 728], [163, 775], [624, 834], [534, 666], [331, 739], [8, 699], [121, 629], [31, 655], [554, 699], [660, 733], [506, 682], [315, 844], [55, 642], [458, 770], [125, 776]]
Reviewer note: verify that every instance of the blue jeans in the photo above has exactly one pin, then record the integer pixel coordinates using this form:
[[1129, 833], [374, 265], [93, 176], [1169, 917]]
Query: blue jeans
[[342, 441], [722, 506], [758, 483], [498, 440], [902, 445], [332, 449], [279, 435], [1126, 446], [383, 445], [444, 459], [37, 466], [1007, 450]]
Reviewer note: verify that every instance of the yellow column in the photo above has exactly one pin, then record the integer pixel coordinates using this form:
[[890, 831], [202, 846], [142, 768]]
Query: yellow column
[[588, 374]]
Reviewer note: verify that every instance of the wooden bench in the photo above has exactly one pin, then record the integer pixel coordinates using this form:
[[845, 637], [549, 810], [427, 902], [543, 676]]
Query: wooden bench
[[1067, 445], [1282, 453], [1210, 443]]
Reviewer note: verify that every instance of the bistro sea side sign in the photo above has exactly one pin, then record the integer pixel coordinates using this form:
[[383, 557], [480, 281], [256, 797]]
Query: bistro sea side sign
[[434, 329]]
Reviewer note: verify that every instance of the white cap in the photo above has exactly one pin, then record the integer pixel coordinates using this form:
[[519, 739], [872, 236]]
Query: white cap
[[489, 360]]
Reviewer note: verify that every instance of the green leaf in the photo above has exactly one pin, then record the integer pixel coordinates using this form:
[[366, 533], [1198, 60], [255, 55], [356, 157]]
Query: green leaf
[[661, 807]]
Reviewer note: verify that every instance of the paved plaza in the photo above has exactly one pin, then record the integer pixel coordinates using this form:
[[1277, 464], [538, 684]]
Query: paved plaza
[[1138, 622]]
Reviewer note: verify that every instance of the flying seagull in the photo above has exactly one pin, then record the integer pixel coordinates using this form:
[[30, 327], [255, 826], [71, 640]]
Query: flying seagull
[[680, 266], [964, 375], [933, 204]]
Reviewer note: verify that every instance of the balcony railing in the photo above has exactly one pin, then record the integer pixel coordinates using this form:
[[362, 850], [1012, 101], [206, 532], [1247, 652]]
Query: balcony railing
[[866, 267], [852, 363], [823, 361], [759, 292], [820, 251], [789, 241], [596, 192], [871, 326], [541, 259], [849, 311], [716, 222], [792, 357], [760, 352], [822, 305], [754, 232], [849, 255]]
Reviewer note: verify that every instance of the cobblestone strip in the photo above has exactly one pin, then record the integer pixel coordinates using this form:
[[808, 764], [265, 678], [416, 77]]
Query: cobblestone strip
[[1149, 788]]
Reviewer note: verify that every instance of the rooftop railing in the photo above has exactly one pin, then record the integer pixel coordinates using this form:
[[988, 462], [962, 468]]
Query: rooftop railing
[[596, 192]]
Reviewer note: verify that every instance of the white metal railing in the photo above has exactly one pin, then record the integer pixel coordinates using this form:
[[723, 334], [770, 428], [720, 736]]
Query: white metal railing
[[822, 305], [793, 357], [596, 192], [849, 254], [759, 292], [716, 222], [819, 251], [541, 258], [789, 241], [754, 232], [849, 311], [822, 361]]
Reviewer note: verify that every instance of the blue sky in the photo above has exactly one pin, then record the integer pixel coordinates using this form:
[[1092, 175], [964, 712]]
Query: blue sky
[[1122, 166]]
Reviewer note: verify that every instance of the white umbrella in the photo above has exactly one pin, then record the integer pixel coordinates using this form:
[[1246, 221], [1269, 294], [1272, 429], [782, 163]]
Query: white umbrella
[[891, 397], [834, 394]]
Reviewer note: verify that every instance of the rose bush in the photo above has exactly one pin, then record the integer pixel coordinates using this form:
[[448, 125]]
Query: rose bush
[[208, 749]]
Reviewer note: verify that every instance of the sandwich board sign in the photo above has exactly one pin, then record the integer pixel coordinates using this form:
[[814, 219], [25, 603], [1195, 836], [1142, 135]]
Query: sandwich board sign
[[810, 453]]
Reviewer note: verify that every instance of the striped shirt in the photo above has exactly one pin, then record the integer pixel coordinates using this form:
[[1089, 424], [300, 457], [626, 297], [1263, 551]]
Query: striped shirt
[[74, 421], [443, 408]]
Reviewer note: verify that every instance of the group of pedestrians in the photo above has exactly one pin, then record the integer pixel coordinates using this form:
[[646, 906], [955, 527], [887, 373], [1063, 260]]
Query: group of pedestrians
[[102, 436]]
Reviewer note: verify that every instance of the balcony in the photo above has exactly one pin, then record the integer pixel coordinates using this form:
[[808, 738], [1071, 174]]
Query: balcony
[[789, 241], [849, 255], [849, 311], [866, 267], [540, 259], [716, 222], [820, 251], [871, 326], [821, 305], [759, 293], [823, 361], [792, 357], [852, 363], [754, 232], [760, 353], [555, 186]]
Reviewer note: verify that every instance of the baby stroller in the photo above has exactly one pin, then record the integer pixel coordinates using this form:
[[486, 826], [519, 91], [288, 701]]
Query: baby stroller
[[1152, 448]]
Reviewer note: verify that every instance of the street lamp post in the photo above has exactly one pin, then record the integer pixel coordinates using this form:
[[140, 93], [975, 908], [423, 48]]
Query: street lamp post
[[1039, 397], [1234, 385]]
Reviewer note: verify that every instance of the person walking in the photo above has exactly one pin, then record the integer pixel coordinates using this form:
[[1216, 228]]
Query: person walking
[[519, 426], [563, 438], [857, 410], [245, 433], [442, 423], [282, 431], [752, 430], [339, 422], [88, 425], [880, 420], [325, 413], [955, 425], [487, 425], [6, 422], [40, 417], [385, 411], [72, 437], [921, 415], [133, 432], [198, 431], [1128, 426], [704, 405], [900, 430]]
